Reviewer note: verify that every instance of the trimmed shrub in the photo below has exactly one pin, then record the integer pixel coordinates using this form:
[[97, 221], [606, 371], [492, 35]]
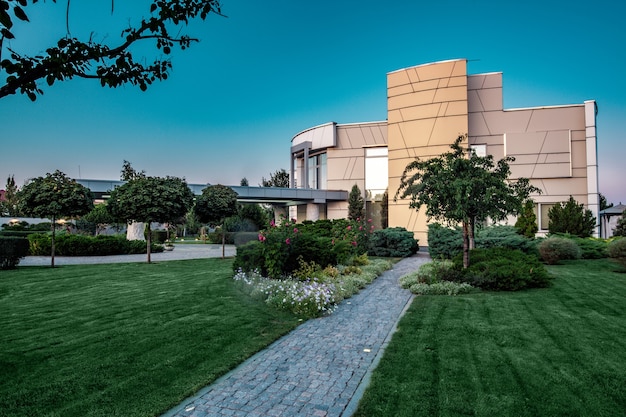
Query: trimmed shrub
[[429, 273], [80, 245], [40, 244], [442, 288], [12, 249], [444, 242], [392, 242], [503, 269], [555, 249], [617, 250], [591, 248], [501, 236], [17, 233]]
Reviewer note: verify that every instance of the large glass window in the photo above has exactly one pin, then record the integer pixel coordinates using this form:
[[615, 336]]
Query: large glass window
[[318, 171], [376, 173]]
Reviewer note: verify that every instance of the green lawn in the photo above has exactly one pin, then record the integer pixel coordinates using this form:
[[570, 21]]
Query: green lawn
[[559, 351], [123, 339]]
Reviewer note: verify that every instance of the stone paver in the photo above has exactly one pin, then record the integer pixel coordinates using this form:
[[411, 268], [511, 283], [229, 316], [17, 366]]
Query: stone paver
[[321, 368]]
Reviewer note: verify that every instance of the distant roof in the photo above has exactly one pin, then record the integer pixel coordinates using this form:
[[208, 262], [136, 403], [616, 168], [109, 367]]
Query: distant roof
[[613, 211]]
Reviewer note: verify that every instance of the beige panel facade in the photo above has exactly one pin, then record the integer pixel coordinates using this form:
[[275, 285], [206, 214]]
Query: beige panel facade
[[429, 106], [430, 122]]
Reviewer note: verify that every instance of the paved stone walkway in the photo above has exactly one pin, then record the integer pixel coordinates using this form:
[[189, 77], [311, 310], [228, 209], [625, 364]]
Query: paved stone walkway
[[319, 369]]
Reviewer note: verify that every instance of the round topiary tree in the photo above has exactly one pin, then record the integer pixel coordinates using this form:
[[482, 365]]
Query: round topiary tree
[[55, 196]]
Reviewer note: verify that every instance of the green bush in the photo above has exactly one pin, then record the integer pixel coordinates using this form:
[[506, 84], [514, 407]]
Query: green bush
[[429, 273], [249, 258], [392, 242], [501, 236], [444, 242], [441, 288], [591, 248], [321, 227], [40, 244], [17, 233], [159, 236], [80, 245], [503, 269], [12, 249], [617, 250], [555, 249], [284, 247]]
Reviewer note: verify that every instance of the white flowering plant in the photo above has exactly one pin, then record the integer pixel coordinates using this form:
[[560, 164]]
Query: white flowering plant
[[313, 296]]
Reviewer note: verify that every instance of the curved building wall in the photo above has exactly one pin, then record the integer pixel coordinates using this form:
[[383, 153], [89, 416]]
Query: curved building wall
[[427, 111]]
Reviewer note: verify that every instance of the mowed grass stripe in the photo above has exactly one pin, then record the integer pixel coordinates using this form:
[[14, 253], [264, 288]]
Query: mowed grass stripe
[[123, 339], [548, 352]]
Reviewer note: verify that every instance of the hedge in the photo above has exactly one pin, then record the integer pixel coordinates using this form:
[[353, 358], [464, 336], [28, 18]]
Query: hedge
[[12, 249]]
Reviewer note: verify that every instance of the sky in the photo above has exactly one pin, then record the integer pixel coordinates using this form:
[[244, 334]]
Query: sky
[[270, 69]]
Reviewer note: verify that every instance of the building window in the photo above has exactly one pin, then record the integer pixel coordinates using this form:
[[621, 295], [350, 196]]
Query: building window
[[318, 171], [544, 220], [376, 173], [480, 150]]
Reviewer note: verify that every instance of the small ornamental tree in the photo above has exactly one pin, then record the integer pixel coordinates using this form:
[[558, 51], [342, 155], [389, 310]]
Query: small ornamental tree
[[55, 196], [526, 223], [214, 205], [355, 204], [571, 217], [151, 199], [462, 187]]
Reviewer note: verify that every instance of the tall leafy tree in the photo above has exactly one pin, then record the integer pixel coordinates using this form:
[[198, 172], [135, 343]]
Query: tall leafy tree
[[55, 196], [10, 205], [462, 187], [279, 178], [112, 64], [356, 204], [151, 199], [571, 217], [214, 205]]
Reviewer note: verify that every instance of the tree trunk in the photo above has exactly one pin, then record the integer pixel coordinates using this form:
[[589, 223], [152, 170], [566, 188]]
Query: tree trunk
[[465, 244], [52, 242], [472, 229], [148, 240]]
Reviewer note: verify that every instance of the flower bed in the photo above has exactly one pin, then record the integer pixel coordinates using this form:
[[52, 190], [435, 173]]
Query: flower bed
[[314, 295]]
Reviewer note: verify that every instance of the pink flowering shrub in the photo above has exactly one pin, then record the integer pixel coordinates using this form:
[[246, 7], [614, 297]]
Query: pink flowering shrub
[[325, 242]]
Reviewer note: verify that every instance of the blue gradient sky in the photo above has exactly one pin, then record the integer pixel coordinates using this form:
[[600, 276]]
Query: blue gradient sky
[[276, 67]]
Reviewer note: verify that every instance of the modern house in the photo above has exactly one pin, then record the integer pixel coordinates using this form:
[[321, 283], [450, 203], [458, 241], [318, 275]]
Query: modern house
[[428, 107]]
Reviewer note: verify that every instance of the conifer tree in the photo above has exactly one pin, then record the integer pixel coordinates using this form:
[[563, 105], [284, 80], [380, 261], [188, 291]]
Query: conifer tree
[[356, 203]]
